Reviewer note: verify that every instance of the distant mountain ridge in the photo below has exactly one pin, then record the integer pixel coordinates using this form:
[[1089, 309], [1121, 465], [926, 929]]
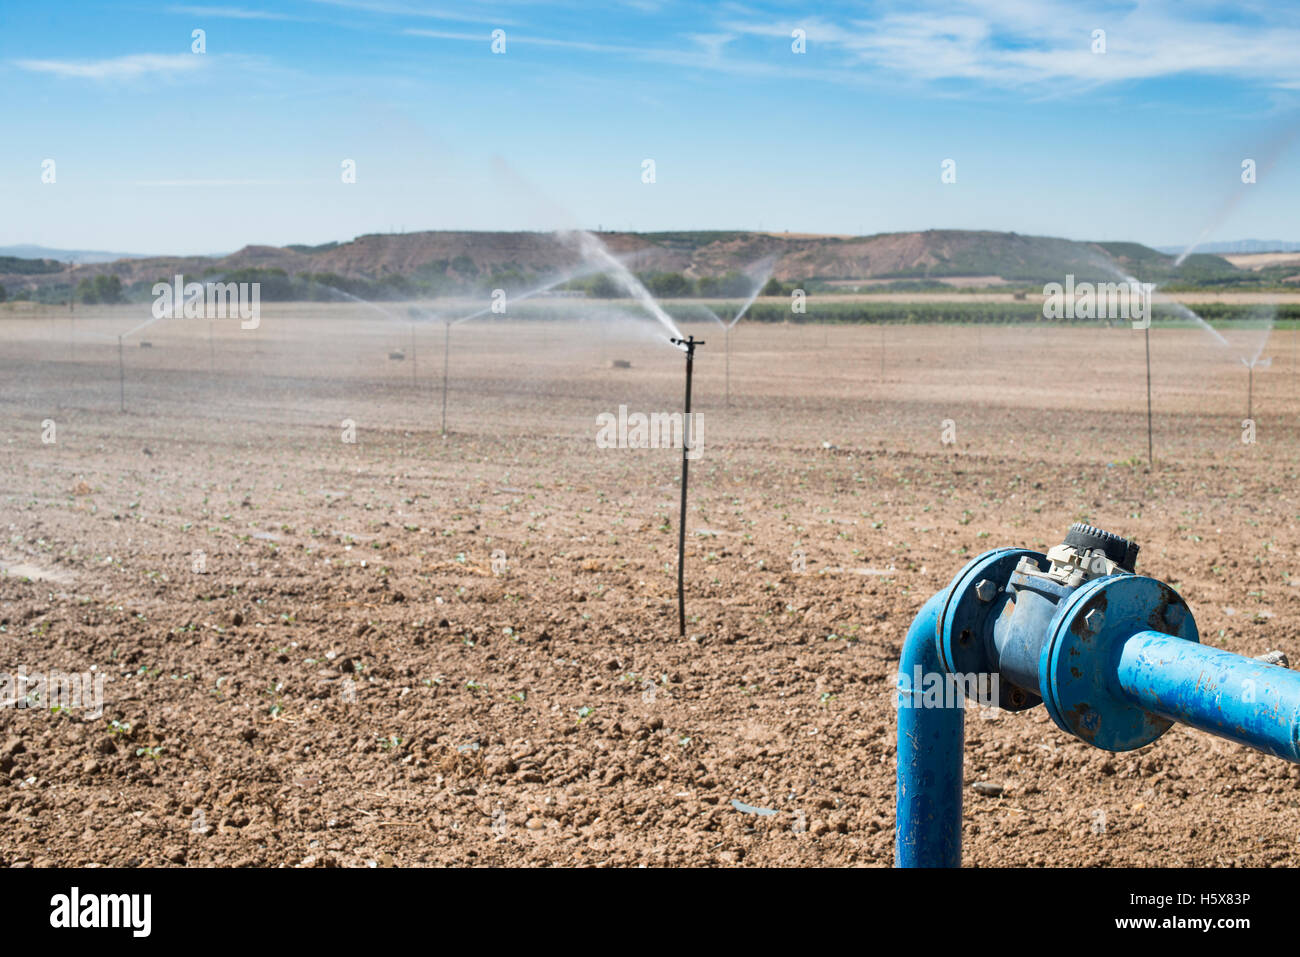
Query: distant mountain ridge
[[65, 255], [436, 262], [1239, 246]]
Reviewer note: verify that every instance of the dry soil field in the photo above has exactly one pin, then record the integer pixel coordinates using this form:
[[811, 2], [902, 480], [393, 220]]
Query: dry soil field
[[313, 658]]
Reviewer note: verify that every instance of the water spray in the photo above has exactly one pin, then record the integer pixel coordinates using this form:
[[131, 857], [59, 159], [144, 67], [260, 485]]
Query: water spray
[[687, 345], [766, 265], [528, 294], [1178, 308]]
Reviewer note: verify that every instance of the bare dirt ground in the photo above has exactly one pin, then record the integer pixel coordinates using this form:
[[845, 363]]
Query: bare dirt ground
[[312, 656]]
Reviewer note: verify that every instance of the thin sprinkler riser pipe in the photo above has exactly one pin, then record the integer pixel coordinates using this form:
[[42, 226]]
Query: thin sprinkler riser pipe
[[446, 349], [928, 798], [1151, 457], [727, 336], [1241, 699], [681, 523]]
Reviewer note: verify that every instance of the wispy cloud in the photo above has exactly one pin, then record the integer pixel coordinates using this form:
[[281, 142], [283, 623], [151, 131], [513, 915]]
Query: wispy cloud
[[396, 8], [118, 68], [230, 13], [213, 182], [701, 50], [1006, 44], [1013, 43]]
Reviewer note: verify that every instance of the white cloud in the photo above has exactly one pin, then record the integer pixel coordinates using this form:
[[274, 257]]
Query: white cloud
[[394, 8], [1012, 43], [212, 182], [230, 13], [118, 68]]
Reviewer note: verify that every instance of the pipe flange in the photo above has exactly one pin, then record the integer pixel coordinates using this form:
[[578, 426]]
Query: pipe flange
[[1076, 668], [962, 632]]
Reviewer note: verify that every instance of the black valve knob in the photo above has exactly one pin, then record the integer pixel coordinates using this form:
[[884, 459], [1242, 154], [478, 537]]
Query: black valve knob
[[1121, 551]]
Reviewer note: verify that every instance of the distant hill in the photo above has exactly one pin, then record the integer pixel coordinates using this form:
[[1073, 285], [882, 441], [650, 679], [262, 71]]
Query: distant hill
[[1239, 246], [64, 255], [438, 263]]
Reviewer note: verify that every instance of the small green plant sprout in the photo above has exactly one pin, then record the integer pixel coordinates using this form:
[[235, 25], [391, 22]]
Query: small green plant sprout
[[276, 709], [585, 712], [119, 727], [390, 743], [152, 752]]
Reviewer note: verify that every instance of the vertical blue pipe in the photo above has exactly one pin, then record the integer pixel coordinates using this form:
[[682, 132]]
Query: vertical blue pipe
[[1244, 700], [927, 828]]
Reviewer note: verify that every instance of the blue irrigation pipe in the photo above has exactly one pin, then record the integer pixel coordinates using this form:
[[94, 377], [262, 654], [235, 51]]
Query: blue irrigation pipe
[[1115, 657], [1242, 699], [928, 832]]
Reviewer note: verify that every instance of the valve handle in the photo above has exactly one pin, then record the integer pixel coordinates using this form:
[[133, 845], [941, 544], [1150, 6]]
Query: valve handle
[[1121, 551]]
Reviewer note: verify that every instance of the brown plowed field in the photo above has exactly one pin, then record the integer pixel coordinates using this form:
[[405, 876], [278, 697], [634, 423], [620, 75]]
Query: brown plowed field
[[312, 656]]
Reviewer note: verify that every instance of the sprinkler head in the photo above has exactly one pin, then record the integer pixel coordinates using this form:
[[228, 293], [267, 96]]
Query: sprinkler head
[[688, 344]]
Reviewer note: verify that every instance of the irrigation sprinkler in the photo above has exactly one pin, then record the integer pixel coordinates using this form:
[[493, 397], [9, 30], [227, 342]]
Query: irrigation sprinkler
[[528, 294], [882, 352], [688, 346], [1114, 656], [1250, 389], [446, 349], [1250, 382], [1151, 458], [764, 268], [726, 335]]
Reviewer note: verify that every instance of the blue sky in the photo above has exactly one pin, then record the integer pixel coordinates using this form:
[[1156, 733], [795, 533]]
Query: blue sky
[[161, 149]]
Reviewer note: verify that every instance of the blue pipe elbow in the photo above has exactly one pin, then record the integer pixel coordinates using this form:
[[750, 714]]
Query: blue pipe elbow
[[927, 829]]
